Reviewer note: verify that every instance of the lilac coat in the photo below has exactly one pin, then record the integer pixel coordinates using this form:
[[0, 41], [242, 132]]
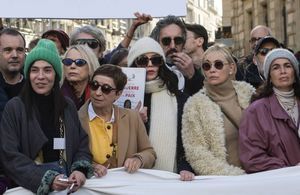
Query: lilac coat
[[268, 139]]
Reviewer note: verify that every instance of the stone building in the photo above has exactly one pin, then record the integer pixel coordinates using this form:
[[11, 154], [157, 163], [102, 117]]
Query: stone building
[[281, 16]]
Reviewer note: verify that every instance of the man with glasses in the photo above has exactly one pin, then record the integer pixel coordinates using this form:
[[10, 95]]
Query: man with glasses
[[94, 38], [254, 72], [170, 33], [256, 34]]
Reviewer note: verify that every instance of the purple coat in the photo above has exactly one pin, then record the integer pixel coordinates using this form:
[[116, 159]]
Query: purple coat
[[268, 139]]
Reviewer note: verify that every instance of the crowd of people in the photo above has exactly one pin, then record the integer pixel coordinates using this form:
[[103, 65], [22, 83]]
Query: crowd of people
[[206, 112]]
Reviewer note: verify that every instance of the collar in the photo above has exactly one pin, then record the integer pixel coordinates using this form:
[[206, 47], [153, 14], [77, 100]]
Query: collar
[[276, 109], [92, 114], [19, 81]]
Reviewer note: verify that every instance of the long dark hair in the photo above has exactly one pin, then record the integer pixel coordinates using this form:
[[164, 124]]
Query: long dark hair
[[28, 97], [169, 78], [266, 89]]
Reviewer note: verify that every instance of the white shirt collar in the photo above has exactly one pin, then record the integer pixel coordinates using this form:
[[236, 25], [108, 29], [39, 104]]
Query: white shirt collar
[[93, 115]]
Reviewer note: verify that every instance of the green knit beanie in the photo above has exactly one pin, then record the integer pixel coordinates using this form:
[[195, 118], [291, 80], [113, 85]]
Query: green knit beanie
[[45, 50]]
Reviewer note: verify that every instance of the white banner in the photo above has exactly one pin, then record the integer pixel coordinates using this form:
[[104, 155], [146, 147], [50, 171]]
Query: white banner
[[148, 182], [90, 9]]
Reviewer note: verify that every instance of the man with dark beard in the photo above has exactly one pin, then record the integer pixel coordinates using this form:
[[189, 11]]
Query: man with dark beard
[[170, 33], [12, 56]]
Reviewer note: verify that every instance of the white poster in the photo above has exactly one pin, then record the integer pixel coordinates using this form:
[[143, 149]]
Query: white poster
[[90, 9], [133, 93]]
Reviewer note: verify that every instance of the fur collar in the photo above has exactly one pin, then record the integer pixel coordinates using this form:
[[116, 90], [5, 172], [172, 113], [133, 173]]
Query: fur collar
[[203, 131]]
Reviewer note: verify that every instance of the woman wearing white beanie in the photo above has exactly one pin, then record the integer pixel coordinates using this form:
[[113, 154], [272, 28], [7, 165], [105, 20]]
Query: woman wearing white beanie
[[164, 104], [269, 132]]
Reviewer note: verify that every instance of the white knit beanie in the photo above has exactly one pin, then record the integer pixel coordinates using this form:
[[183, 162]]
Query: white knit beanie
[[276, 54], [142, 46]]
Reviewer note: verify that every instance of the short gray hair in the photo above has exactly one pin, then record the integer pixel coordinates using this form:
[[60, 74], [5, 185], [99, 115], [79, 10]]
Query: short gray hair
[[91, 30]]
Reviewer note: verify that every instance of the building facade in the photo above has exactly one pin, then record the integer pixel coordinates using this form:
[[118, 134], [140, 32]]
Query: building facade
[[281, 16], [202, 12]]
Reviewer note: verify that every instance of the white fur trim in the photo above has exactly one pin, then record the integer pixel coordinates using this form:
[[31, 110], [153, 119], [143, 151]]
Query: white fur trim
[[203, 132]]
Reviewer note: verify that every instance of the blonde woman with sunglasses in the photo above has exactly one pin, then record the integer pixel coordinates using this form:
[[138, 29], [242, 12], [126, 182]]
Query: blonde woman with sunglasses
[[212, 116], [79, 64]]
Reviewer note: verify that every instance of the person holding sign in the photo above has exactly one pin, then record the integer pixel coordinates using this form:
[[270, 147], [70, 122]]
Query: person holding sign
[[164, 103], [117, 135], [41, 138]]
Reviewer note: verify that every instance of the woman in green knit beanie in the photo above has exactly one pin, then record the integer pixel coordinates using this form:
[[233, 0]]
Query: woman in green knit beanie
[[40, 134]]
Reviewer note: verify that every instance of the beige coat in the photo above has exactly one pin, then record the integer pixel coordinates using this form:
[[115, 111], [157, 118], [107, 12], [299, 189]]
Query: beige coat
[[203, 132], [132, 136]]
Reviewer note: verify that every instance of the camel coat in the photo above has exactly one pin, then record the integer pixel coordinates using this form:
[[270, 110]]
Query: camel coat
[[132, 137]]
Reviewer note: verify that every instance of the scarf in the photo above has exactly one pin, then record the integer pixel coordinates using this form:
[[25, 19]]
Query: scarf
[[163, 125], [225, 96], [288, 102]]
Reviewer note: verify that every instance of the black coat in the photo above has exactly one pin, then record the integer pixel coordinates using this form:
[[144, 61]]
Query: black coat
[[21, 139]]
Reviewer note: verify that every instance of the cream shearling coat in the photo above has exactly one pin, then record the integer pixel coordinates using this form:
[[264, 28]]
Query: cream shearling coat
[[203, 132]]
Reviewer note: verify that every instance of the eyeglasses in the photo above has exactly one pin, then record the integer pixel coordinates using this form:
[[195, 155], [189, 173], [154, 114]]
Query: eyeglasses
[[254, 39], [92, 43], [105, 88], [167, 40], [218, 65], [264, 51], [143, 61], [78, 62]]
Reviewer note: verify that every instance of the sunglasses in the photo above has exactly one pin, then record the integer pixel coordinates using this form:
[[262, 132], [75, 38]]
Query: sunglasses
[[105, 88], [92, 43], [167, 40], [264, 51], [78, 62], [218, 65], [254, 39], [143, 61]]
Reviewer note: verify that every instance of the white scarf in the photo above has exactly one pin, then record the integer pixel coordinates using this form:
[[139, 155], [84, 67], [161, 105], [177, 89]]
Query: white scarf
[[163, 125]]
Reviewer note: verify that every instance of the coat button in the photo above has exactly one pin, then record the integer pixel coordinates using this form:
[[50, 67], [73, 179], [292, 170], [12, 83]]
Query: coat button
[[107, 156]]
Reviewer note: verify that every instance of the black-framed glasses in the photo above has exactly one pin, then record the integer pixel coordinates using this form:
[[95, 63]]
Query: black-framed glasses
[[78, 62], [254, 39], [92, 43], [167, 40], [143, 61], [105, 88], [218, 65], [264, 51]]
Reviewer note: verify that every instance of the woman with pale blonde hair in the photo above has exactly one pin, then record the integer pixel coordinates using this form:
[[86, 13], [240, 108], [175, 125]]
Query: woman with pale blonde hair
[[79, 65], [212, 116]]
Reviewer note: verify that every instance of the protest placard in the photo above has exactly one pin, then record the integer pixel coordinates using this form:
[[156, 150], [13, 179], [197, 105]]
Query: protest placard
[[133, 93]]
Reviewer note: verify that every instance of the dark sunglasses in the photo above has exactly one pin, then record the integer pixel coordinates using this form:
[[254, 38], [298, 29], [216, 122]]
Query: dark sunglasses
[[254, 39], [218, 65], [264, 51], [92, 43], [167, 40], [78, 62], [105, 88], [143, 61]]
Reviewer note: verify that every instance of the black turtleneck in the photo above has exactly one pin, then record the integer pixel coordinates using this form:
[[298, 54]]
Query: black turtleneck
[[45, 107]]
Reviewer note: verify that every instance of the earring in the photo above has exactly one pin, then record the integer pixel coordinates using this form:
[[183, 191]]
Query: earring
[[230, 73]]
